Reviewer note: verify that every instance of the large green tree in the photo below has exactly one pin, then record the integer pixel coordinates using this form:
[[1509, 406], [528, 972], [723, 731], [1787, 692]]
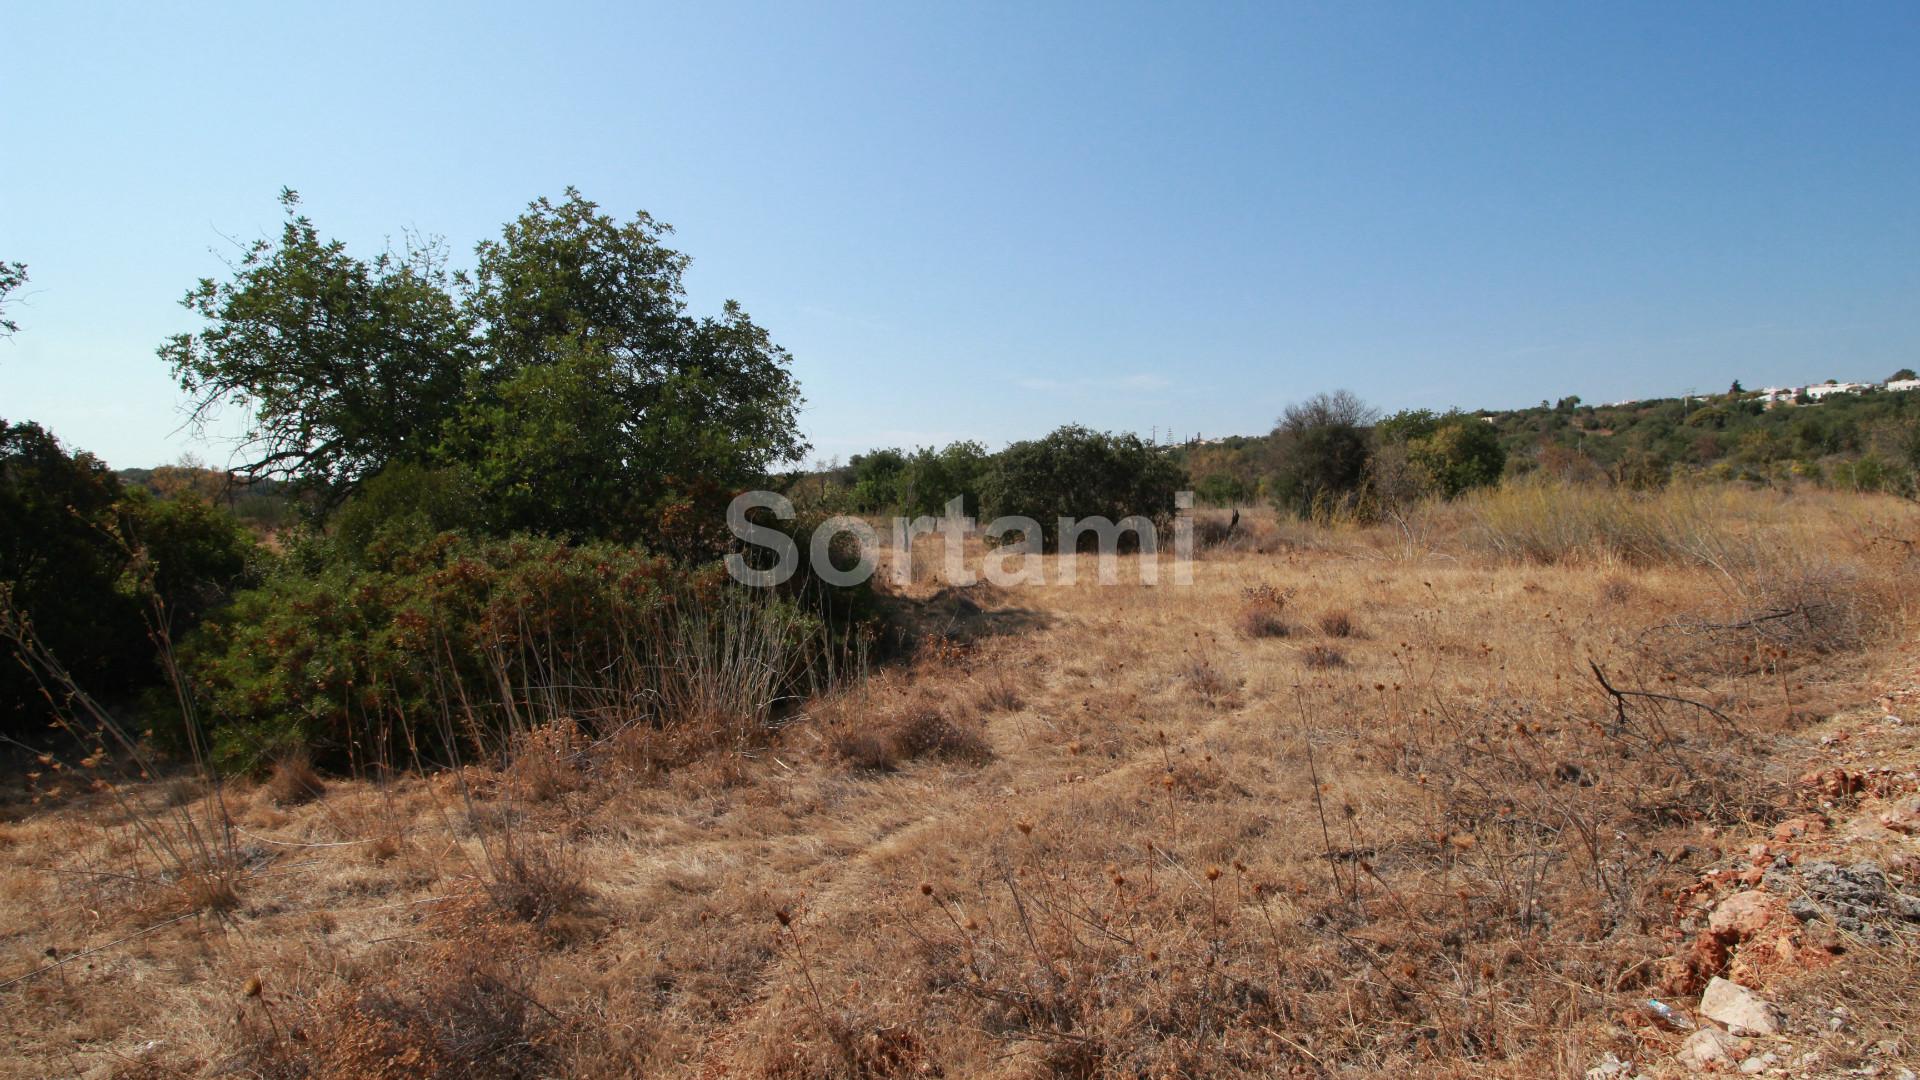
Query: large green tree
[[341, 365], [565, 374]]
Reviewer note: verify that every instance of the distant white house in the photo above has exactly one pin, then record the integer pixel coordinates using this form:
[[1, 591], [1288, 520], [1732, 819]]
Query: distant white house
[[1825, 390], [1778, 395], [1904, 384]]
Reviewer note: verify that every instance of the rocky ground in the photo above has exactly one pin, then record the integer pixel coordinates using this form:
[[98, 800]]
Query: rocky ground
[[1815, 922]]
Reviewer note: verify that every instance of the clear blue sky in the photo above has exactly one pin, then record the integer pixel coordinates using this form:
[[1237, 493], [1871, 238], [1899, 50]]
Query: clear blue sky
[[986, 221]]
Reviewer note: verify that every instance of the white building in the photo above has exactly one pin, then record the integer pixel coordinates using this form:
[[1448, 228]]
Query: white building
[[1823, 390], [1904, 384], [1778, 395]]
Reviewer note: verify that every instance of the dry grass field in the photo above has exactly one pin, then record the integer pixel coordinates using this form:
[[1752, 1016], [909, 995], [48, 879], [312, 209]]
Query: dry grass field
[[1357, 801]]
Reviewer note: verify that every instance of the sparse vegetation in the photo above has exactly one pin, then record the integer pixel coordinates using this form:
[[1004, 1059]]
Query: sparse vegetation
[[1338, 623], [1129, 838]]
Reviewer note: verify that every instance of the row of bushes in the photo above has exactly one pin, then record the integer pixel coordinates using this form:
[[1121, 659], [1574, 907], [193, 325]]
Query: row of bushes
[[1330, 455], [1073, 472]]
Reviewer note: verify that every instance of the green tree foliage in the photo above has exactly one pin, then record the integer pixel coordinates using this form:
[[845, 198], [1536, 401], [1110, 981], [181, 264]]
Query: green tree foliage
[[1223, 489], [874, 480], [1079, 473], [669, 415], [1447, 454], [566, 377], [550, 452], [61, 560], [932, 478], [1321, 450], [12, 276], [191, 553], [1223, 472], [341, 365], [404, 506], [1903, 375], [1463, 453], [85, 560]]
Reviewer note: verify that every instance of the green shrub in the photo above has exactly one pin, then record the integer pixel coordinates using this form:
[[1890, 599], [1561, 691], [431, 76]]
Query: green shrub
[[1321, 452], [932, 478], [61, 560], [1079, 473], [194, 554], [83, 558], [876, 480], [453, 644], [403, 506]]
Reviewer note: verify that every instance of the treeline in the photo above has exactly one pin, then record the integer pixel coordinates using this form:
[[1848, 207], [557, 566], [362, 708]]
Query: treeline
[[1328, 454], [488, 498], [1073, 472], [1868, 441], [1335, 451], [1333, 455]]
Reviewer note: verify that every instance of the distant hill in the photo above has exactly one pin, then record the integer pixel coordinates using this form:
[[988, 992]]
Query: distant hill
[[1866, 439]]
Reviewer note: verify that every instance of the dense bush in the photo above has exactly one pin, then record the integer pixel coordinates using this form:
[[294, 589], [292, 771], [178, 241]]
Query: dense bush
[[187, 552], [1320, 453], [94, 568], [890, 480], [932, 478], [406, 504], [1446, 454], [61, 560], [874, 480], [1640, 445], [1079, 473], [452, 643]]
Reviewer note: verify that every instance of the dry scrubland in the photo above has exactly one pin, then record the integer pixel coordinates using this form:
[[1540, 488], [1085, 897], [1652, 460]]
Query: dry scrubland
[[1353, 803]]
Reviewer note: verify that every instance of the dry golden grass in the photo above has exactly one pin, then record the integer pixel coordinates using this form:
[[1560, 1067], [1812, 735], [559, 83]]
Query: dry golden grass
[[1099, 832]]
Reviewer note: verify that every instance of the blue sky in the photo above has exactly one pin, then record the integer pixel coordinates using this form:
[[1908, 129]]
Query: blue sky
[[983, 222]]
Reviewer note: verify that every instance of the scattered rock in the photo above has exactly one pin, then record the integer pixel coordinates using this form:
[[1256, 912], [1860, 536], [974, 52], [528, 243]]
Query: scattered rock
[[1745, 915], [1708, 1049], [1739, 1008], [1799, 828], [1857, 898], [1833, 783]]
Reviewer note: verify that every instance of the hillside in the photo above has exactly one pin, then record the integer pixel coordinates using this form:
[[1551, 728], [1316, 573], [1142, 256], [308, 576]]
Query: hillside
[[1868, 441]]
